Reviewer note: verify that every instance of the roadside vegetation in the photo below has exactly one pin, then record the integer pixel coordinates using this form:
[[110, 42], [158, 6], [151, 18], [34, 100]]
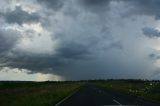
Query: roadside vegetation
[[35, 93], [25, 93], [143, 88]]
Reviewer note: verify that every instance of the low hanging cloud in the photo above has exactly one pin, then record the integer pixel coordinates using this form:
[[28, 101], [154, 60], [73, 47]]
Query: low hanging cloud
[[85, 39]]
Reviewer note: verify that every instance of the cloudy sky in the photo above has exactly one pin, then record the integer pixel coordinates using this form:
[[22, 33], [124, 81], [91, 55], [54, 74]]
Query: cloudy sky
[[79, 39]]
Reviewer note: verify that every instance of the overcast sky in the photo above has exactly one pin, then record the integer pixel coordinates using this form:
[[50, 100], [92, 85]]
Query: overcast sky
[[79, 39]]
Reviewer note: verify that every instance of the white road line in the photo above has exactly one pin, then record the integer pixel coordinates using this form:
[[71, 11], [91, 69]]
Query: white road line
[[116, 102], [66, 97]]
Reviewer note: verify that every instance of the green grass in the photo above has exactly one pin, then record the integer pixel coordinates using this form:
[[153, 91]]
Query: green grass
[[147, 89], [49, 93], [34, 93]]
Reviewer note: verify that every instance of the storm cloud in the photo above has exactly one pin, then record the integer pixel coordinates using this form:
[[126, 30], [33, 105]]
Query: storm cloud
[[150, 32], [81, 39], [8, 39], [145, 7], [53, 4], [19, 16]]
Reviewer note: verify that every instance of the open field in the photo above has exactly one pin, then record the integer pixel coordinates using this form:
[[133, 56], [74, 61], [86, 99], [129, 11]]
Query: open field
[[24, 93], [146, 89], [35, 93]]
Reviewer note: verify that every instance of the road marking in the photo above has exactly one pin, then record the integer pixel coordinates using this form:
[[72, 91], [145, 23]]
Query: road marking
[[116, 102], [67, 97]]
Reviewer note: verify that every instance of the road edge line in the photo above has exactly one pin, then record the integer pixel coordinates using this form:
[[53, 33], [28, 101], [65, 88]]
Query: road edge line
[[117, 102], [67, 97]]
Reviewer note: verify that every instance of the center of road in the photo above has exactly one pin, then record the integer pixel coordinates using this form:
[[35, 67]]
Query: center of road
[[90, 95]]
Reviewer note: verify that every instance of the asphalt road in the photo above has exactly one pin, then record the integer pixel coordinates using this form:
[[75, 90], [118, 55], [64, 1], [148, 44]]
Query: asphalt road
[[90, 95]]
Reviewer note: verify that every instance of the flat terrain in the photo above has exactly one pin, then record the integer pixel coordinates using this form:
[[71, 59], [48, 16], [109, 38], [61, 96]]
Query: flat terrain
[[84, 93], [90, 95], [142, 88], [20, 93]]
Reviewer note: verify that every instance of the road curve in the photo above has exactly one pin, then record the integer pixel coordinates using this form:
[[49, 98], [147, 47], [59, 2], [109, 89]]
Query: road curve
[[90, 95]]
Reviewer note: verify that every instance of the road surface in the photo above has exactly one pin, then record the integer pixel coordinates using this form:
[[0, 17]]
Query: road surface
[[90, 95]]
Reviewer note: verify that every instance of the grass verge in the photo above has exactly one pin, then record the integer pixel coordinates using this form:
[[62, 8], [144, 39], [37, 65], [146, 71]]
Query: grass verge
[[146, 89], [35, 94]]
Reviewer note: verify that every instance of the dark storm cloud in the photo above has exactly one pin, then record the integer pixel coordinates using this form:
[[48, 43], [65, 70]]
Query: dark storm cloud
[[66, 55], [19, 16], [35, 63], [73, 51], [117, 45], [97, 6], [93, 44], [95, 2], [154, 56], [138, 7], [73, 55], [53, 4], [150, 32], [8, 39], [145, 7]]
